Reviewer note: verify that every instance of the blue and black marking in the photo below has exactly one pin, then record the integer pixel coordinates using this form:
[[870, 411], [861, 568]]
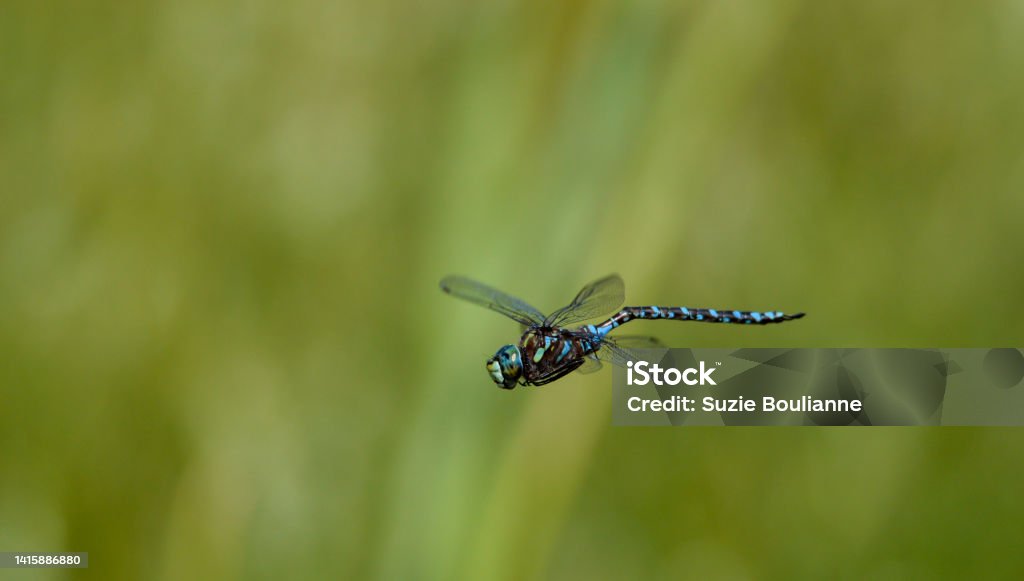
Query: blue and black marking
[[728, 316]]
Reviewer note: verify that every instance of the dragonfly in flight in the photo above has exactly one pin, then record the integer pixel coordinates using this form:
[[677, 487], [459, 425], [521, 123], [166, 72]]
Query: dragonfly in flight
[[550, 347]]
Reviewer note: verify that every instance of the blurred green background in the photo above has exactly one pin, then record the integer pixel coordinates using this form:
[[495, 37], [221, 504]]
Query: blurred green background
[[225, 355]]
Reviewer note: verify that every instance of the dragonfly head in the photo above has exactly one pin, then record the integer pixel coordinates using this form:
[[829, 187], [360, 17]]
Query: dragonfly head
[[506, 366]]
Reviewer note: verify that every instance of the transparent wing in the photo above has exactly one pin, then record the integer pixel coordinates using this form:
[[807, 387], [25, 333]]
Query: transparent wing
[[597, 298], [616, 355], [590, 365], [635, 342], [618, 351], [621, 350], [483, 295]]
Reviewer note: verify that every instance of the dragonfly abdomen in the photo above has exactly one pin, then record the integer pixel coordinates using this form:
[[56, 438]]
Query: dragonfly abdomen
[[687, 314]]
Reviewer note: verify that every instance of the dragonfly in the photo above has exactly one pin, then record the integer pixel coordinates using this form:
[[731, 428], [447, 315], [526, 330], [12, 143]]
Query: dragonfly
[[551, 346]]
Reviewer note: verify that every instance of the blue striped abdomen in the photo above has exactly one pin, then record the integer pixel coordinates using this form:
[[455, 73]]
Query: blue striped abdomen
[[687, 314]]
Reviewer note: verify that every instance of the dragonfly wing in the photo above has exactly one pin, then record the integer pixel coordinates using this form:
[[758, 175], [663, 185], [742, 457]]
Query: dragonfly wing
[[590, 365], [635, 342], [615, 355], [492, 298], [621, 350], [597, 298]]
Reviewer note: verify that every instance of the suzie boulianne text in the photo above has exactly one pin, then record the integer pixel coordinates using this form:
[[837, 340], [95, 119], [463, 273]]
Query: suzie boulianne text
[[642, 373]]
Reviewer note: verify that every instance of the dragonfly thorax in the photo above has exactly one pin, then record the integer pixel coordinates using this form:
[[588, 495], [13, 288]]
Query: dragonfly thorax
[[552, 352], [506, 367]]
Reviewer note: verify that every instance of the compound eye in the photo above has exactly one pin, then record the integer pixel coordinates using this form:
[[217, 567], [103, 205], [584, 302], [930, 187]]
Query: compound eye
[[510, 366], [494, 369]]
